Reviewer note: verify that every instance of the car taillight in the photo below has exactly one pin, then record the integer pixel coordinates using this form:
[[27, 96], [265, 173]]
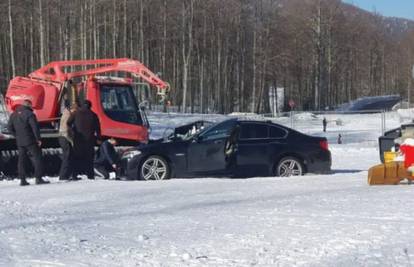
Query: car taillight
[[324, 145]]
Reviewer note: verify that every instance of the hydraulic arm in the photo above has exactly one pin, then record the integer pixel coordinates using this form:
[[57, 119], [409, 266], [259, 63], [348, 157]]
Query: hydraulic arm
[[57, 71]]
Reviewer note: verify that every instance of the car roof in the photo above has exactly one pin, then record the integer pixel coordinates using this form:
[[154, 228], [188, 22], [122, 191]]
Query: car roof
[[244, 120], [237, 119], [249, 120]]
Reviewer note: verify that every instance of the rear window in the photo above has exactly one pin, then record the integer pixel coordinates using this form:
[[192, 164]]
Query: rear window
[[253, 131], [277, 132]]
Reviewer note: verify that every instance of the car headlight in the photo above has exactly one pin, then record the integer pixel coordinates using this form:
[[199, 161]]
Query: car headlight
[[131, 154]]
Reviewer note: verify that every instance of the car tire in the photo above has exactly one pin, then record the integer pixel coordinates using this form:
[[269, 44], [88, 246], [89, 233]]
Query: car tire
[[154, 168], [290, 166]]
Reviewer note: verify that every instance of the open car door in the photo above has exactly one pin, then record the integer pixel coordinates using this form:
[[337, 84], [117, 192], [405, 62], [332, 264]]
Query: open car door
[[206, 153]]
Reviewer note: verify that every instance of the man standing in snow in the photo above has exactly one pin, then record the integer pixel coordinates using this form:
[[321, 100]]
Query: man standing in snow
[[106, 159], [24, 126], [339, 139], [66, 143], [87, 131], [324, 123]]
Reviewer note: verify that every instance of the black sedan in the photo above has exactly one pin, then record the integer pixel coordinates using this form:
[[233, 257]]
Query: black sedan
[[236, 148]]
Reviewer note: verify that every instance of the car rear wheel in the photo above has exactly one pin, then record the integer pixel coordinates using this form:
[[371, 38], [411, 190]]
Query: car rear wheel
[[154, 168], [289, 166]]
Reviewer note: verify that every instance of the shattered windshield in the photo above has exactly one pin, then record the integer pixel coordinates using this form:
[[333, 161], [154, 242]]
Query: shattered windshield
[[188, 131]]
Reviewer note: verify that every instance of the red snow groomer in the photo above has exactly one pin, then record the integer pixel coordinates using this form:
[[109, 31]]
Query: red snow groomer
[[112, 97]]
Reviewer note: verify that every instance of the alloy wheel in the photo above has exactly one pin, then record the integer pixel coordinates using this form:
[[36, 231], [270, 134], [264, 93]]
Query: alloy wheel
[[154, 168], [289, 167]]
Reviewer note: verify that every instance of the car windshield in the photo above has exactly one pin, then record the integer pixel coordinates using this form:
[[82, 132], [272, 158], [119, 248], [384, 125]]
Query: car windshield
[[118, 103], [187, 132]]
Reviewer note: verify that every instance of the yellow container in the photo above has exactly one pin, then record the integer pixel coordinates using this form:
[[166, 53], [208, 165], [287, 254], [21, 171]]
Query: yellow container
[[389, 156]]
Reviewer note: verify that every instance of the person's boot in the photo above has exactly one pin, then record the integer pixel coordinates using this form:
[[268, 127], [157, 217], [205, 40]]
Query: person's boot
[[41, 181], [23, 182]]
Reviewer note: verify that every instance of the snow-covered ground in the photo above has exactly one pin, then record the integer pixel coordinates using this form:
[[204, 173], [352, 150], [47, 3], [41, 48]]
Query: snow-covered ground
[[314, 220]]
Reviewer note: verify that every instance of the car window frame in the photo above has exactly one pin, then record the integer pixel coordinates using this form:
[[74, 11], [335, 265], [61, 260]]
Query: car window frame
[[268, 131], [202, 135], [253, 122], [277, 126]]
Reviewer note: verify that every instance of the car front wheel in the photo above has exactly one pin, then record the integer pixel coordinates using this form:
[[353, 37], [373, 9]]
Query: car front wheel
[[154, 168], [289, 166]]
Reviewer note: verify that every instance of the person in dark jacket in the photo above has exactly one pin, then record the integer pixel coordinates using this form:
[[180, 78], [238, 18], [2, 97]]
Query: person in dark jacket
[[230, 148], [106, 159], [87, 130], [324, 124], [24, 126]]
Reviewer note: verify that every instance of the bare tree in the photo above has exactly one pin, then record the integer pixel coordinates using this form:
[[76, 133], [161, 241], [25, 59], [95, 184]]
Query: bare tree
[[220, 56], [13, 64]]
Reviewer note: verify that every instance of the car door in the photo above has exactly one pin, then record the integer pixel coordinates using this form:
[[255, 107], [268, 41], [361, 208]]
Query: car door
[[278, 142], [206, 151], [252, 149]]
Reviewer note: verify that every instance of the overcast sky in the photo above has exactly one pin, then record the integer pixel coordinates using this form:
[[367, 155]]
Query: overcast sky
[[390, 8]]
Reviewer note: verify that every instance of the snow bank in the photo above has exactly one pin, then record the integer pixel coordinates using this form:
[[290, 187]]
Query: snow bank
[[325, 220], [406, 114]]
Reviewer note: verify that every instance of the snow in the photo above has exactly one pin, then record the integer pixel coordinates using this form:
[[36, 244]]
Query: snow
[[314, 220], [406, 113]]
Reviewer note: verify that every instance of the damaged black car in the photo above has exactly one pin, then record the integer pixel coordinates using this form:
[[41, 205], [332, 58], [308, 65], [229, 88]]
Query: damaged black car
[[231, 148]]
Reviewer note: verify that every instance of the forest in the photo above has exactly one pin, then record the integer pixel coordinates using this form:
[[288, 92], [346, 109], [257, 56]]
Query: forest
[[220, 56]]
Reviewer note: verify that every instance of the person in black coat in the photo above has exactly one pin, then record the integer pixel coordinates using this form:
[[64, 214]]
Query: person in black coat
[[106, 159], [87, 130], [24, 126]]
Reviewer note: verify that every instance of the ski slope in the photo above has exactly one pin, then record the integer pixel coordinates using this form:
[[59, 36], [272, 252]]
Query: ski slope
[[314, 220]]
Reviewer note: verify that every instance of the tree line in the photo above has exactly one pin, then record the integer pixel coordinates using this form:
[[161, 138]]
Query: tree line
[[219, 56]]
